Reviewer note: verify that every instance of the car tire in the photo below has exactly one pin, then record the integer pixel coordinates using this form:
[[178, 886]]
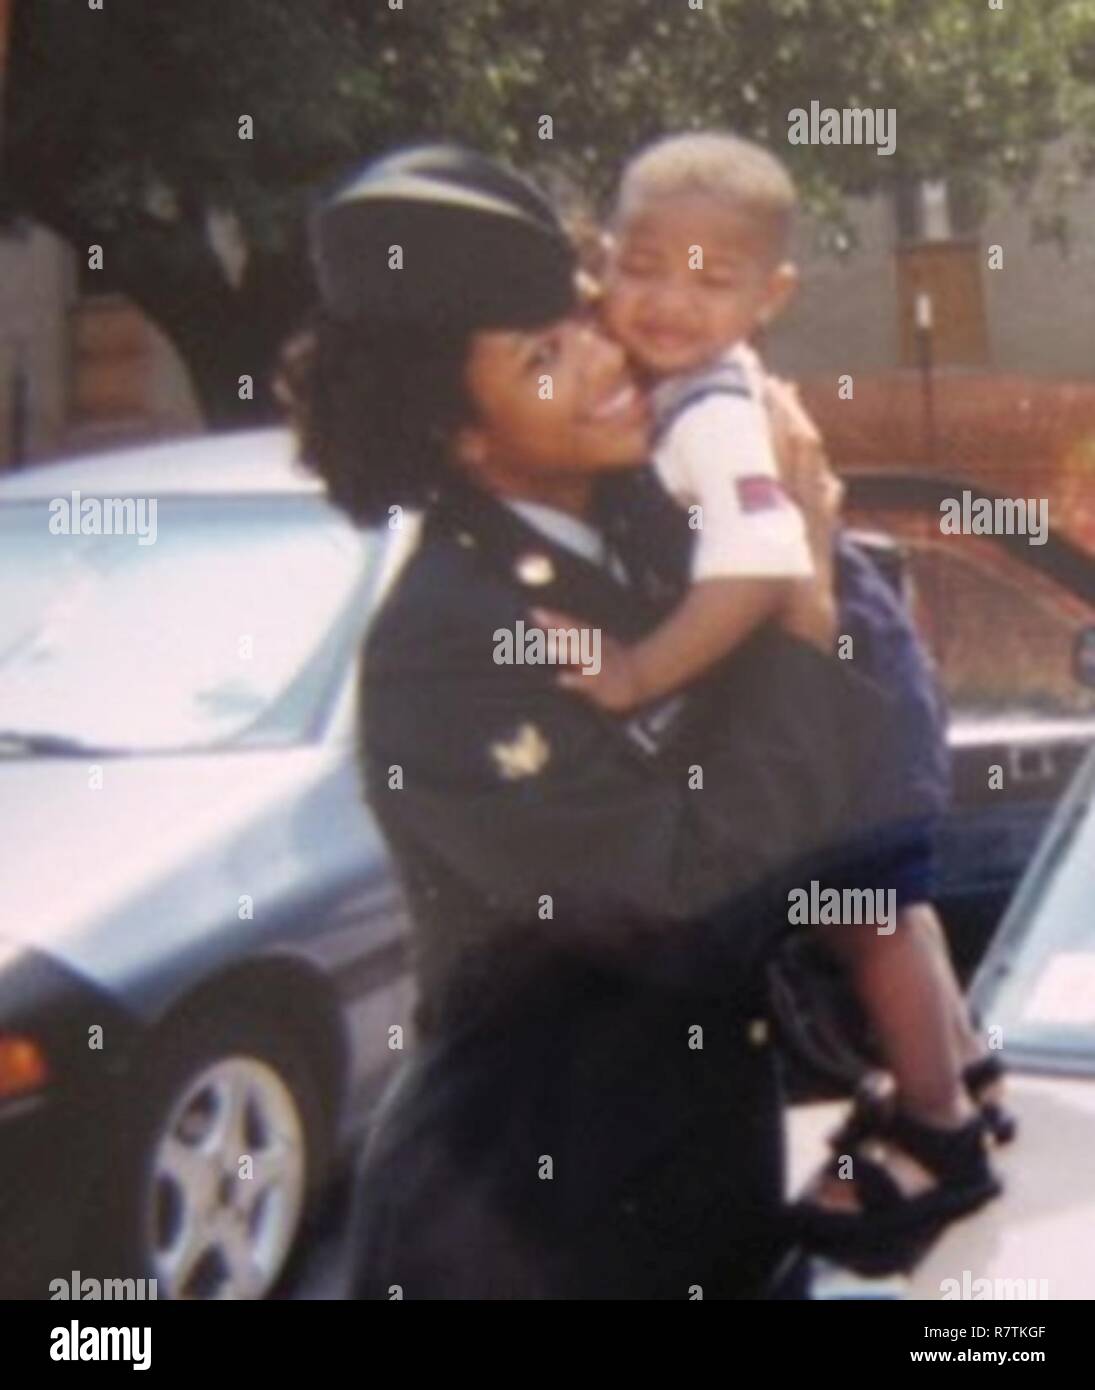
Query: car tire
[[216, 1165]]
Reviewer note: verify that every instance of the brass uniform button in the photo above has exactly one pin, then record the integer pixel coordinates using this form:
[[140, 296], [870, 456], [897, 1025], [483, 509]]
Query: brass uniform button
[[757, 1032], [535, 569]]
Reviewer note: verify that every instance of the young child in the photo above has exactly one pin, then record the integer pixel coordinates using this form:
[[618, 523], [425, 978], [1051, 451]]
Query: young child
[[698, 264]]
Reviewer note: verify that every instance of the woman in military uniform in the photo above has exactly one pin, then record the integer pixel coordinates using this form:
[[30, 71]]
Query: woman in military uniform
[[591, 1108]]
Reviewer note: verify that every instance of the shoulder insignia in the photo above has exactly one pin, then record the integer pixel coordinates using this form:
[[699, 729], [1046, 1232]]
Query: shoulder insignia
[[525, 755]]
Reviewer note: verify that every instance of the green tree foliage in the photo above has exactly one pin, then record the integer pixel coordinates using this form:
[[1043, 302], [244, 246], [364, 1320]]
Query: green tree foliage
[[122, 123]]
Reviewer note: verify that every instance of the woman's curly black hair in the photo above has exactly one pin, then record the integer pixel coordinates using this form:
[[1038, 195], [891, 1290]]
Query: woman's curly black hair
[[374, 409]]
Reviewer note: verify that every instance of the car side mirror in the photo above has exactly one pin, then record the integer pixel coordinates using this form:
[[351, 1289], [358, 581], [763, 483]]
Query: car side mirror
[[1083, 656]]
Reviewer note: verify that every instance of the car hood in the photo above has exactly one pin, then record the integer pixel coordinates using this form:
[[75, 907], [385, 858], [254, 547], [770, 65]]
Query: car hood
[[1035, 1240], [73, 857], [968, 729]]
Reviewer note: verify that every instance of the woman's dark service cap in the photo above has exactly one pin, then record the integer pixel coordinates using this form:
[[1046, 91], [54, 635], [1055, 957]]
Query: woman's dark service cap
[[482, 247]]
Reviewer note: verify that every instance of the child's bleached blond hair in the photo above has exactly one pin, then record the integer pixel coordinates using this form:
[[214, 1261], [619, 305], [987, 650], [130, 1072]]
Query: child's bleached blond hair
[[745, 176]]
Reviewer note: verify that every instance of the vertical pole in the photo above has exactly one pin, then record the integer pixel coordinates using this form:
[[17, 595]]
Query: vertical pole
[[925, 339]]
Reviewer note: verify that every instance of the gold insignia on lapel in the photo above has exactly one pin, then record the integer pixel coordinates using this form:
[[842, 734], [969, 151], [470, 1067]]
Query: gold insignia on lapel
[[535, 568], [524, 755]]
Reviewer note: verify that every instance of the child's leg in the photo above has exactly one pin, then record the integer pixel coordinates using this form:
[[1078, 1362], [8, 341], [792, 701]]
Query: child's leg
[[971, 1047], [909, 993], [903, 989]]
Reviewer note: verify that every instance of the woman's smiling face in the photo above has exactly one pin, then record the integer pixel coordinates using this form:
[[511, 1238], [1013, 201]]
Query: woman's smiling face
[[556, 402]]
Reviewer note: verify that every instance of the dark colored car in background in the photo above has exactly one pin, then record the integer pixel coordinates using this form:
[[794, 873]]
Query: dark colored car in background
[[1011, 626], [202, 974]]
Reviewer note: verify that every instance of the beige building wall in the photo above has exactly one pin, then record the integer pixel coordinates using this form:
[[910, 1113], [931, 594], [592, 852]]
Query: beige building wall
[[844, 317], [1041, 305], [1039, 308]]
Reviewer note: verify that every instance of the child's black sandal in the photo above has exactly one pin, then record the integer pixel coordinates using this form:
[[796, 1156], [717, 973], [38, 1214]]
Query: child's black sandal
[[978, 1077], [892, 1228], [870, 1114]]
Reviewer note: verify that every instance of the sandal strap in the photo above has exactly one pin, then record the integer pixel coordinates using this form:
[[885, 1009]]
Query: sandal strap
[[883, 1203], [886, 1212], [951, 1156], [877, 1186], [869, 1116], [978, 1077], [985, 1072], [878, 1189]]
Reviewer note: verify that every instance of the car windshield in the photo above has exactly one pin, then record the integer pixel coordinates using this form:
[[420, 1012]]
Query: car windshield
[[196, 640], [1037, 984]]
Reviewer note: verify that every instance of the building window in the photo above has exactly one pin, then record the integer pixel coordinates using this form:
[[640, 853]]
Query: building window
[[934, 210]]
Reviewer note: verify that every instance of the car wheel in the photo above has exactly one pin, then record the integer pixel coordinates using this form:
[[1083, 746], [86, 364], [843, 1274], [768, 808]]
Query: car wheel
[[227, 1143]]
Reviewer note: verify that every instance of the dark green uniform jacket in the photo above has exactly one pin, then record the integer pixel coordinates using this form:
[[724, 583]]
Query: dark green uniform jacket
[[592, 1108]]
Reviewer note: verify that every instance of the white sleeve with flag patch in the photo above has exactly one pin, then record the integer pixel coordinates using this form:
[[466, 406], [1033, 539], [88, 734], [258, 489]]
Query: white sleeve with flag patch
[[717, 455]]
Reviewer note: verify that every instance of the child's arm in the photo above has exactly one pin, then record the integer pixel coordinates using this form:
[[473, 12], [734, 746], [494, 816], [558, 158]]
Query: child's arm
[[715, 616], [719, 613], [811, 612]]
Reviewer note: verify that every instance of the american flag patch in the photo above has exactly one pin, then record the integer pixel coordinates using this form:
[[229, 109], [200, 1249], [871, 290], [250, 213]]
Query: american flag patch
[[760, 493]]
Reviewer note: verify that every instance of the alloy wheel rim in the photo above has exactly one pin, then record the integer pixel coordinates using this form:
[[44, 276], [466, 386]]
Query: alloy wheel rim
[[227, 1184]]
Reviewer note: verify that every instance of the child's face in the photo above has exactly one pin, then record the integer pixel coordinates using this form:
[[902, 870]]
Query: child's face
[[675, 310]]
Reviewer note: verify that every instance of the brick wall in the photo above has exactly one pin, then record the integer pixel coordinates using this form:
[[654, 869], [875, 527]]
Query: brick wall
[[1022, 435]]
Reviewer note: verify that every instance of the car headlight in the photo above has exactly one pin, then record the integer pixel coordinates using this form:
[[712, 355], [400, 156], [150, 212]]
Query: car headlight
[[23, 1066]]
